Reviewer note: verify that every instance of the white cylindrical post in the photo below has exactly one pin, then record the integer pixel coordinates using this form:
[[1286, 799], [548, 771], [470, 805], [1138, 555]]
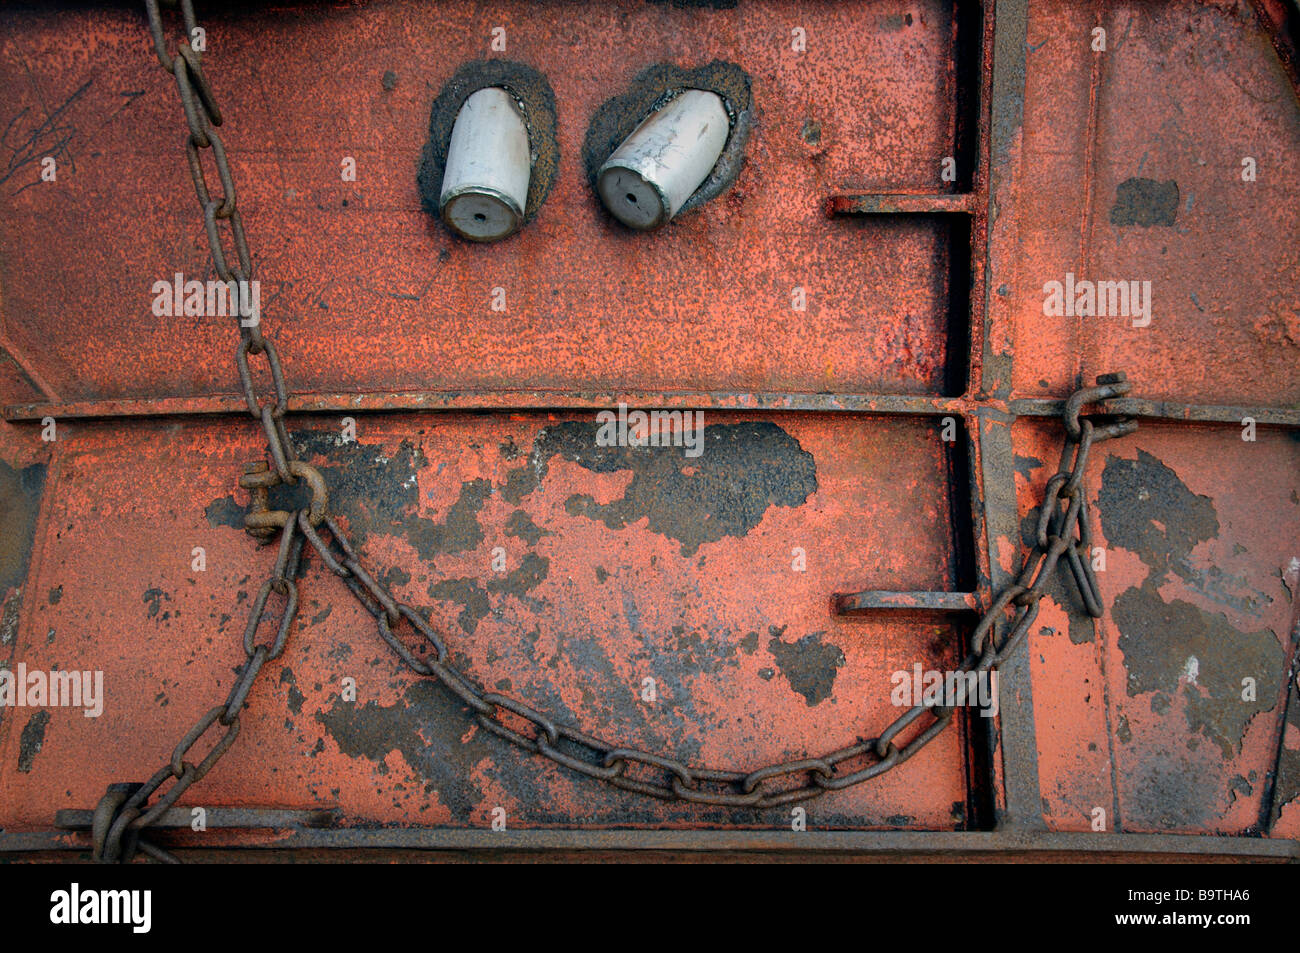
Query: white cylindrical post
[[657, 168], [485, 183]]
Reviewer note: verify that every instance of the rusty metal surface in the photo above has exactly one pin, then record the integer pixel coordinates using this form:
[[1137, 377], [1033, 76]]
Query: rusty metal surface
[[1137, 161], [1157, 685], [438, 845], [607, 582], [1070, 161], [365, 288]]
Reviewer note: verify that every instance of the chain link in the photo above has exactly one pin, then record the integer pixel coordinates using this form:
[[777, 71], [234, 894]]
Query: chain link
[[123, 813]]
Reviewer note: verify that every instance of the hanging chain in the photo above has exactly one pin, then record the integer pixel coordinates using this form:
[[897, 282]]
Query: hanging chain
[[124, 813], [1062, 530], [121, 815]]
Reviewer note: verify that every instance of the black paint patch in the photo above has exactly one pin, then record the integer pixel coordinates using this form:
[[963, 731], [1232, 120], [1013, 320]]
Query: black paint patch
[[1146, 509], [472, 597], [1026, 466], [1145, 202], [56, 594], [469, 595], [395, 577], [654, 88], [537, 101], [1157, 638], [808, 665], [699, 650], [742, 470], [296, 697], [521, 526], [32, 740], [379, 495], [153, 598], [529, 574], [894, 22], [426, 726], [20, 500], [460, 531], [225, 512]]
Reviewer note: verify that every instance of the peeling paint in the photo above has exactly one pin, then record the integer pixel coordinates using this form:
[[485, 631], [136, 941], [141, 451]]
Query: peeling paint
[[1171, 647], [809, 664], [743, 470], [32, 740]]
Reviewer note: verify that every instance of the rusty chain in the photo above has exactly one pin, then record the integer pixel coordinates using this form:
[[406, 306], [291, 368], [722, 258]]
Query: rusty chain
[[123, 813], [1061, 530]]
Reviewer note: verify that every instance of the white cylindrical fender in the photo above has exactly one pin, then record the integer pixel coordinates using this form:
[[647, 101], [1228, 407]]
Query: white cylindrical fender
[[489, 161], [658, 167]]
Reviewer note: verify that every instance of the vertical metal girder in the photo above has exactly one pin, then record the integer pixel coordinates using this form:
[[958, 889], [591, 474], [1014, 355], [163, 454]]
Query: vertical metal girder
[[1014, 747]]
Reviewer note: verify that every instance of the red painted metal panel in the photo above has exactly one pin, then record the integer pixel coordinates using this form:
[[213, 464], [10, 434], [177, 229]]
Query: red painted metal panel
[[1182, 685], [1185, 93], [626, 565], [368, 292], [610, 578]]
